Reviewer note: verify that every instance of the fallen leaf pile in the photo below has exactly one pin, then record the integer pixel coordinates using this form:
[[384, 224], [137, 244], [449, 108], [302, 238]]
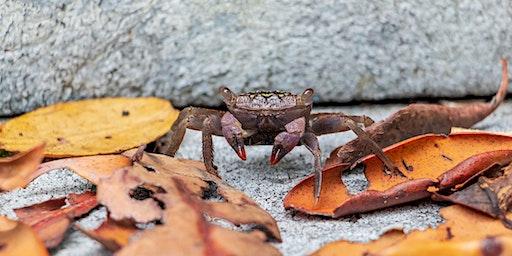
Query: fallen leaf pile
[[186, 210], [160, 205], [184, 201]]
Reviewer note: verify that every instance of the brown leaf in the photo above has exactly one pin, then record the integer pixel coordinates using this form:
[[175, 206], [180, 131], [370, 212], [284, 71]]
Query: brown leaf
[[465, 232], [17, 238], [417, 119], [117, 192], [51, 219], [112, 234], [192, 233], [448, 158], [234, 205], [92, 168], [188, 201], [459, 175], [16, 171], [492, 196], [89, 127]]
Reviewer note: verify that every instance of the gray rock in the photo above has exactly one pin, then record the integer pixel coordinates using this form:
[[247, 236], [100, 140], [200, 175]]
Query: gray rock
[[347, 50]]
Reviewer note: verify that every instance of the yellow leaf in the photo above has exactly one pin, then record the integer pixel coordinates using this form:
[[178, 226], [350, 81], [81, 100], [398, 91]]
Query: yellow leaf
[[89, 127]]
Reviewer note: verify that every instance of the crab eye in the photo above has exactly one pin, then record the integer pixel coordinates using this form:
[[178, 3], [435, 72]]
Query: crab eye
[[308, 92], [307, 96], [226, 93]]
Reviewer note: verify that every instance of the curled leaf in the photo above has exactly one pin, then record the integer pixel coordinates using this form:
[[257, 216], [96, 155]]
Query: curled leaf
[[89, 127], [51, 219], [418, 119], [16, 171], [422, 159], [463, 233], [17, 238], [492, 196]]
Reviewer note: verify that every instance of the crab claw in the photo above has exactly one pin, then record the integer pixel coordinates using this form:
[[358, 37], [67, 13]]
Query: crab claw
[[283, 143], [241, 153], [233, 132], [236, 141]]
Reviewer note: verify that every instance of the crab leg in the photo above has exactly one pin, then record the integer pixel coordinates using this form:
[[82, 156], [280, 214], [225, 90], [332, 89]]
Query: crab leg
[[373, 146], [191, 118], [311, 142], [325, 123], [211, 126]]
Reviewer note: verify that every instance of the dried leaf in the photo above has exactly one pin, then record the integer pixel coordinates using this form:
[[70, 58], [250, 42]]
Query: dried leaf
[[17, 238], [422, 159], [92, 168], [16, 171], [51, 219], [117, 193], [187, 211], [492, 196], [89, 127], [192, 233], [229, 203], [417, 119], [112, 234], [461, 234]]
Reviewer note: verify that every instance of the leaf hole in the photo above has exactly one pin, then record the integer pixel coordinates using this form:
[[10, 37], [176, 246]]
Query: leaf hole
[[211, 192], [125, 113], [141, 193], [146, 191], [150, 168]]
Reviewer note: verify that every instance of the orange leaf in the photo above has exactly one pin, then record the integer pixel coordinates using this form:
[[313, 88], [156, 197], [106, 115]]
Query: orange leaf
[[17, 238], [51, 219], [422, 159], [112, 234], [16, 171], [89, 127], [92, 168], [462, 231]]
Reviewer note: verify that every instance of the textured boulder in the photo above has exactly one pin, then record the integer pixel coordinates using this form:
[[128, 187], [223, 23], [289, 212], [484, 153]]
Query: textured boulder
[[184, 49]]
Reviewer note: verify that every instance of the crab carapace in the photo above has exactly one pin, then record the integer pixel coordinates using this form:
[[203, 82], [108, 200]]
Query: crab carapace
[[277, 118]]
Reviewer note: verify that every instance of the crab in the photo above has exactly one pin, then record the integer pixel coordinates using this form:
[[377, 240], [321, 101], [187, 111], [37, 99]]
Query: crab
[[277, 118]]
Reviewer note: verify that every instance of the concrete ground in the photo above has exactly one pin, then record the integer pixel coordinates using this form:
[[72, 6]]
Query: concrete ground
[[267, 185]]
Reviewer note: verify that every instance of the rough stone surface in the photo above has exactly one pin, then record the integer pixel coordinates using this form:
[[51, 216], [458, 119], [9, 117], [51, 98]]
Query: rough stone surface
[[183, 50], [267, 185]]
